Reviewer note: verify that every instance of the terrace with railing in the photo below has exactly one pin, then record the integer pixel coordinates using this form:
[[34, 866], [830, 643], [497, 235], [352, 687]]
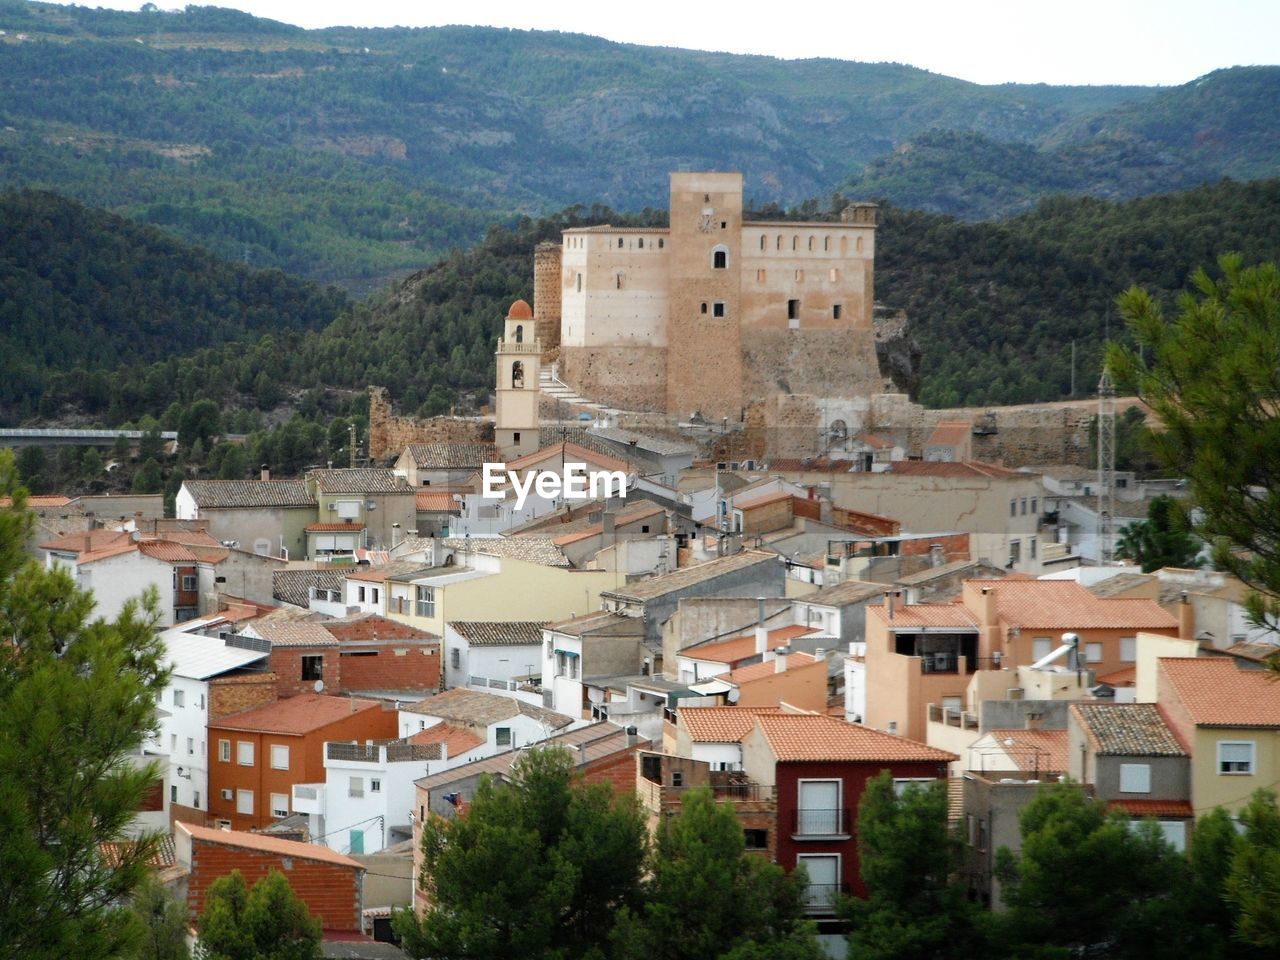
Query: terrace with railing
[[382, 751]]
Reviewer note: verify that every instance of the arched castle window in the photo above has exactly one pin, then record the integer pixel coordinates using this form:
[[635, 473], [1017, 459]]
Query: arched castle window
[[720, 257], [859, 244], [519, 333], [844, 246], [795, 242], [579, 283], [517, 375], [661, 243], [826, 243], [779, 245], [811, 243], [762, 241], [640, 243]]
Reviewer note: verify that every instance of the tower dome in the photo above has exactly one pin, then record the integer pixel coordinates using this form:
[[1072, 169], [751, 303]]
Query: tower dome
[[520, 310]]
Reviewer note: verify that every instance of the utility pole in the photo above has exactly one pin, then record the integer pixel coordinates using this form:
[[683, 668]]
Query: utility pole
[[351, 445], [1106, 466]]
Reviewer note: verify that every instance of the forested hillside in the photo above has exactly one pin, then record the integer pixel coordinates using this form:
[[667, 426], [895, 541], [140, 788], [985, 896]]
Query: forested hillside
[[355, 155]]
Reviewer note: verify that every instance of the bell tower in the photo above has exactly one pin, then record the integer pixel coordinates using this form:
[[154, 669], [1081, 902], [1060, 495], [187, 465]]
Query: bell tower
[[519, 356]]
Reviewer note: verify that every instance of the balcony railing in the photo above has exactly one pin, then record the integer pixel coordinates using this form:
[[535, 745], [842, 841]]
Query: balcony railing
[[823, 897], [962, 719], [303, 792], [815, 823], [732, 791], [396, 751]]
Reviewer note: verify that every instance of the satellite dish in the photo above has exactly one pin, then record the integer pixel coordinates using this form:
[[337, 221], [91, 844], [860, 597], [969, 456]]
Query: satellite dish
[[319, 686]]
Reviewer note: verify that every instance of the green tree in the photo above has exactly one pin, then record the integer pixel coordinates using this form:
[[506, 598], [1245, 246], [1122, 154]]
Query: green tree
[[120, 448], [539, 868], [162, 924], [1086, 881], [915, 909], [200, 422], [91, 464], [1162, 540], [705, 897], [1211, 914], [33, 469], [149, 478], [77, 699], [267, 922], [1212, 377], [235, 463], [1253, 885]]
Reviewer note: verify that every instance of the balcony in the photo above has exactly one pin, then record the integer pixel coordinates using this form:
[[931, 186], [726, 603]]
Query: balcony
[[821, 824], [821, 898], [308, 798], [381, 752], [961, 719]]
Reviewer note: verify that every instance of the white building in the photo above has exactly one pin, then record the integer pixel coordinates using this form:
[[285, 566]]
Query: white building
[[492, 655], [504, 722], [184, 707]]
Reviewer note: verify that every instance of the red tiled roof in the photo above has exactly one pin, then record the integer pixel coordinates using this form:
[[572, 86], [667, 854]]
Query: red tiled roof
[[36, 501], [166, 551], [1043, 750], [572, 453], [75, 542], [871, 440], [740, 648], [334, 528], [1124, 677], [295, 715], [767, 668], [456, 740], [1173, 809], [520, 310], [769, 498], [926, 615], [802, 737], [109, 550], [1217, 693], [949, 433], [720, 724], [265, 843], [1054, 604], [433, 501]]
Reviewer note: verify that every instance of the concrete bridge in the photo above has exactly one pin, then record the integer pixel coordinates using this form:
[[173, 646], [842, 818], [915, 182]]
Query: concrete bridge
[[20, 437]]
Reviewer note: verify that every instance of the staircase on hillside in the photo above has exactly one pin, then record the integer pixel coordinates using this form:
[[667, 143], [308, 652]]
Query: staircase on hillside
[[559, 390]]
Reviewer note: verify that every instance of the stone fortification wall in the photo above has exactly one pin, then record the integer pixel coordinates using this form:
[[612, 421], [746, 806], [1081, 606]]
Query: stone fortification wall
[[834, 363], [390, 433], [546, 297], [632, 378]]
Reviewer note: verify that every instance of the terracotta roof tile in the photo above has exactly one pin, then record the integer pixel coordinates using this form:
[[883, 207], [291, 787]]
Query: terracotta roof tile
[[750, 503], [1043, 750], [1064, 604], [479, 708], [925, 615], [572, 453], [164, 550], [720, 724], [948, 468], [667, 583], [456, 740], [292, 633], [540, 550], [949, 433], [1164, 809], [740, 648], [110, 550], [850, 591], [294, 586], [433, 501], [296, 715], [1127, 729], [452, 456], [814, 737], [334, 527], [265, 843], [498, 633], [97, 540], [767, 668], [1217, 693]]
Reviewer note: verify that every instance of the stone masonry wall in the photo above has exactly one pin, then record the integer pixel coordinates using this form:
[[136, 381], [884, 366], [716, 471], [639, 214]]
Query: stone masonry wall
[[634, 378], [546, 297], [823, 363], [390, 433]]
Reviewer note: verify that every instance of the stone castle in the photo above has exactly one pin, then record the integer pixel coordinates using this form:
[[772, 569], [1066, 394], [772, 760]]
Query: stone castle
[[713, 313]]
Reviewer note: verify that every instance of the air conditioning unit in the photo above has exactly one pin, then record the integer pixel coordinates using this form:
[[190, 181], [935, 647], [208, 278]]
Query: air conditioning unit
[[333, 508], [226, 795], [943, 662]]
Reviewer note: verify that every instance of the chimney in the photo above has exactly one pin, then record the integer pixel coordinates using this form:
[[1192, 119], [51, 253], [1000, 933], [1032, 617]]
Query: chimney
[[987, 607], [1035, 721], [88, 545], [780, 659], [888, 602], [633, 736], [1186, 618], [762, 635], [607, 521], [936, 558], [266, 473]]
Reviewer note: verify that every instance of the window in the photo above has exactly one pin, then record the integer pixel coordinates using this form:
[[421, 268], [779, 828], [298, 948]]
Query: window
[[793, 309], [823, 871], [373, 593], [502, 736], [1034, 503], [1031, 547], [719, 258], [173, 743], [640, 243], [244, 802], [619, 243], [188, 583], [244, 753], [760, 275], [835, 311], [357, 842], [375, 785], [762, 241], [179, 698], [517, 375], [515, 438], [313, 667], [279, 756], [426, 601], [677, 778], [360, 594], [618, 280], [1024, 506], [755, 839], [455, 658], [1235, 756], [1041, 647], [1093, 652], [1129, 649], [1135, 778], [704, 307], [1013, 508], [195, 800], [191, 746], [355, 786], [818, 811], [173, 793], [224, 751], [902, 784], [971, 829], [661, 243], [1015, 552], [811, 243], [717, 308], [799, 276], [279, 804], [579, 283], [826, 243]]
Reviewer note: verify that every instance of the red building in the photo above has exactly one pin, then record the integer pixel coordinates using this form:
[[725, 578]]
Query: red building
[[818, 767], [258, 755], [329, 883]]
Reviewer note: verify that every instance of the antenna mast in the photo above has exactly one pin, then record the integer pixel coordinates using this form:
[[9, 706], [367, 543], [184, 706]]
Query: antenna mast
[[1106, 467]]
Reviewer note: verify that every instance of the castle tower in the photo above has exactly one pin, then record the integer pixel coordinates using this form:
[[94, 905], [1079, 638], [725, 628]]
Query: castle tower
[[519, 357], [546, 296], [704, 338]]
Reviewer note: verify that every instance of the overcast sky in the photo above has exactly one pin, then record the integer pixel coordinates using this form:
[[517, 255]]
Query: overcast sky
[[986, 41]]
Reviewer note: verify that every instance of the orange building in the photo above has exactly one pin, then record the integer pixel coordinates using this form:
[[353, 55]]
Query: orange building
[[258, 755], [919, 654]]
